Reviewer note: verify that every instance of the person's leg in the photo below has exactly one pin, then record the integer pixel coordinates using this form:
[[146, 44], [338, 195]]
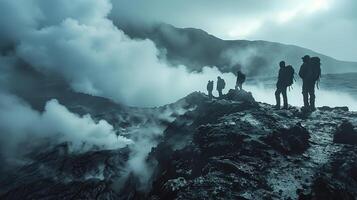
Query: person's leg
[[277, 97], [305, 94], [285, 98], [241, 86], [220, 93], [312, 96]]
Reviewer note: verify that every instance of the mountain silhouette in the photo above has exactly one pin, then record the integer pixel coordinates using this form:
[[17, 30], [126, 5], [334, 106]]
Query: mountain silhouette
[[196, 48]]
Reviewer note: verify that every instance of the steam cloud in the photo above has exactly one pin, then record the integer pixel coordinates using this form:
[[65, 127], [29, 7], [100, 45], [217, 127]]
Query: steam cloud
[[78, 43], [94, 56], [21, 124]]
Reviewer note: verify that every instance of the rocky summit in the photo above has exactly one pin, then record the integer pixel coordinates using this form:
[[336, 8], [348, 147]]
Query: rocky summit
[[227, 148]]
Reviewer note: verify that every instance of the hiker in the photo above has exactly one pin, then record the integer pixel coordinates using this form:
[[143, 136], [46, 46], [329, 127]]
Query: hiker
[[285, 79], [240, 80], [221, 84], [310, 72], [210, 89]]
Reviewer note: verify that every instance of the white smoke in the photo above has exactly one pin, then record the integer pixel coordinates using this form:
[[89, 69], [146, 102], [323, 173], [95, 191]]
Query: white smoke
[[79, 43], [19, 124], [100, 60]]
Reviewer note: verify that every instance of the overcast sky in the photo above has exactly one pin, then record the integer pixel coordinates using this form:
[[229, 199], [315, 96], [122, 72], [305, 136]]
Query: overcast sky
[[326, 26]]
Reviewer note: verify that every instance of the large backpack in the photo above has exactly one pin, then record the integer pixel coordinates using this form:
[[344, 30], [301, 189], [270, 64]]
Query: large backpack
[[315, 68], [289, 75]]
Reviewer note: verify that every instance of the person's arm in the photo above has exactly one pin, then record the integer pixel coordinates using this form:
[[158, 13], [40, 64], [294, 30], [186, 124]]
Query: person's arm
[[280, 75], [302, 71]]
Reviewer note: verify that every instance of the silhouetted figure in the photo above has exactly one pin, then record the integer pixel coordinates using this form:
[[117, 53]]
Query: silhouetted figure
[[310, 72], [285, 79], [210, 89], [240, 80], [221, 84]]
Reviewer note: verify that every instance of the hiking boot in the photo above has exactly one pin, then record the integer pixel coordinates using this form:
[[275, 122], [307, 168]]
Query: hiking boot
[[312, 104], [312, 108], [277, 107], [305, 109]]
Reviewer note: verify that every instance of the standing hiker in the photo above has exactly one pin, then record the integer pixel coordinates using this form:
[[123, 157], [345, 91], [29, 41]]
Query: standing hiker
[[240, 80], [310, 72], [285, 79], [221, 84]]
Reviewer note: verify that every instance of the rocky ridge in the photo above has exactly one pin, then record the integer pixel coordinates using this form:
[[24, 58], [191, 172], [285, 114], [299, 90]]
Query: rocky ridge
[[229, 148]]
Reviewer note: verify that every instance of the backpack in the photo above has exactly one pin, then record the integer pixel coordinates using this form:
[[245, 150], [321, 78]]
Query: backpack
[[289, 75], [315, 68]]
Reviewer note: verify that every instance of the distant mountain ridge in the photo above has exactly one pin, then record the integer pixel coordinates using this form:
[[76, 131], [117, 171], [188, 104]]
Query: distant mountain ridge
[[196, 48]]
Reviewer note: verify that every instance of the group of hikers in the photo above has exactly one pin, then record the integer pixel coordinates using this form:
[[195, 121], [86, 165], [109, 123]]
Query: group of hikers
[[221, 84], [310, 72]]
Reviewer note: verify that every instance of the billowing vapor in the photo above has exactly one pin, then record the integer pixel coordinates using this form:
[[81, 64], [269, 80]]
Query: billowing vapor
[[20, 125], [100, 60], [78, 43], [97, 58]]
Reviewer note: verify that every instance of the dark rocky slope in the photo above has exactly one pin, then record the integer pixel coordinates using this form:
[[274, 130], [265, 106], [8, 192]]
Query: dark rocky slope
[[218, 149], [252, 151]]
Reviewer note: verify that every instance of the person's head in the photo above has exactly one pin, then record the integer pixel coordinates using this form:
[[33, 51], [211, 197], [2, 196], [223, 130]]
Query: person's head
[[282, 64], [306, 58], [218, 77]]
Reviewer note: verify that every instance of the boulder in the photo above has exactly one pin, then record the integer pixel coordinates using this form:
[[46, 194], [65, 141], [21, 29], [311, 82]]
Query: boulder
[[345, 134], [289, 141], [240, 95]]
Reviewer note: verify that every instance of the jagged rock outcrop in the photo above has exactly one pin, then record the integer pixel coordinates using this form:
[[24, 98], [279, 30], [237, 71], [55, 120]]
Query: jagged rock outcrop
[[251, 151], [229, 148], [60, 174], [240, 95], [345, 134], [337, 179], [289, 141]]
